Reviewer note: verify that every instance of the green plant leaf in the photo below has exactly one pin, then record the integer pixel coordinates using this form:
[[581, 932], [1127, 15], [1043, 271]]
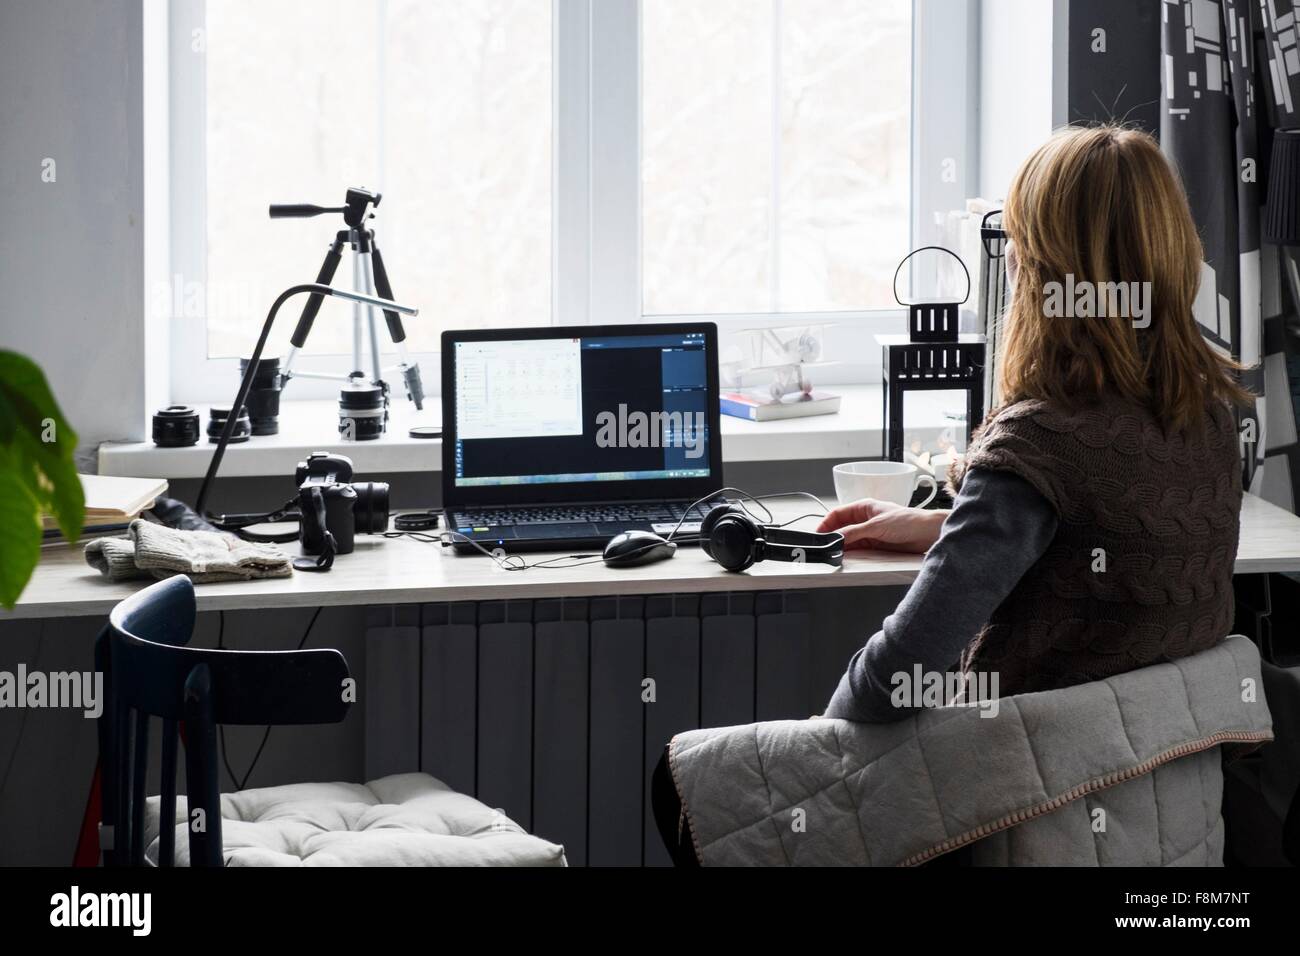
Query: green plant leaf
[[31, 422], [38, 471], [53, 483], [20, 532]]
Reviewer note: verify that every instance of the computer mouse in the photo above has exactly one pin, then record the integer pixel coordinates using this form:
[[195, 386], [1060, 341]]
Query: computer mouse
[[632, 548]]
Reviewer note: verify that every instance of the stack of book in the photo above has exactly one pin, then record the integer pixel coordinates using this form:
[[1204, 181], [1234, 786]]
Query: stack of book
[[112, 502], [757, 405]]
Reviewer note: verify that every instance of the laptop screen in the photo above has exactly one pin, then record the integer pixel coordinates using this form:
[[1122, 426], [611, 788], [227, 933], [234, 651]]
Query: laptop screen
[[603, 407]]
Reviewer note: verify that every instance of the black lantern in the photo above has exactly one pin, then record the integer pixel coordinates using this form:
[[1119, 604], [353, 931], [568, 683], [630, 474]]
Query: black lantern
[[927, 369]]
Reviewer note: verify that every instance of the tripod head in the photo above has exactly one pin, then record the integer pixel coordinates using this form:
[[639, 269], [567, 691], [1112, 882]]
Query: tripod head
[[354, 208]]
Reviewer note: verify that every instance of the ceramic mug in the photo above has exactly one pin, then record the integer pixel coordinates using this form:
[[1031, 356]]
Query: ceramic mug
[[883, 480]]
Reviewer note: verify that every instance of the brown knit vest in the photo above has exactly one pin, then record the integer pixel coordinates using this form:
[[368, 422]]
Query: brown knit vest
[[1158, 511]]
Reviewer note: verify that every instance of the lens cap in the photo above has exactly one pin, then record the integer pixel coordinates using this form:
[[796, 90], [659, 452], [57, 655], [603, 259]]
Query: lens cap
[[425, 431]]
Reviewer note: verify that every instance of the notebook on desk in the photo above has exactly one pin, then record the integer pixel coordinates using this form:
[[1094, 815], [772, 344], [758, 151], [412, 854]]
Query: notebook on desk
[[565, 437], [111, 500]]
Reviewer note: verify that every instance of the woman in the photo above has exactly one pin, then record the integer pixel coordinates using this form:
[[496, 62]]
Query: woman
[[1094, 526], [1095, 515]]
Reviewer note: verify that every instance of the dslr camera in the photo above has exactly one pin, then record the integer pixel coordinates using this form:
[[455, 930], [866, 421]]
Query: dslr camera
[[334, 509]]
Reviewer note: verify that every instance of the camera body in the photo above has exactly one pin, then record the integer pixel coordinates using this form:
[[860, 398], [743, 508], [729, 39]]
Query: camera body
[[334, 509]]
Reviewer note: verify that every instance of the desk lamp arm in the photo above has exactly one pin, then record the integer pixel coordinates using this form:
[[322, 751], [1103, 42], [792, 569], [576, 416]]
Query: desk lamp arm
[[246, 382]]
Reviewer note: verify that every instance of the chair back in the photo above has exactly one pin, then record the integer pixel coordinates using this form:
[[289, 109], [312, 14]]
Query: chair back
[[150, 672]]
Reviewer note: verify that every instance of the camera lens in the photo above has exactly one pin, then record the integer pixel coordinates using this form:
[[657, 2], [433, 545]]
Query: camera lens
[[175, 426], [363, 411], [371, 509], [217, 421], [263, 402]]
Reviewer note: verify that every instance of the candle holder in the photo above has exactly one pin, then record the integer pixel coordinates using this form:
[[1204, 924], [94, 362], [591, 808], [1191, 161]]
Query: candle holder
[[933, 356]]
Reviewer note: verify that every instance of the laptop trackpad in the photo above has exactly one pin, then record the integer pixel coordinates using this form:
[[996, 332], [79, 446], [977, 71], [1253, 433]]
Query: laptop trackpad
[[558, 529]]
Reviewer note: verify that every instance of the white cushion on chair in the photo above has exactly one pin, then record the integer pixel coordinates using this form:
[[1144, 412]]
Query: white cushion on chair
[[408, 819]]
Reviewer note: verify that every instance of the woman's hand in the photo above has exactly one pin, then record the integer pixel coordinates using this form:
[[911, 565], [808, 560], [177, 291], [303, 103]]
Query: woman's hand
[[885, 526]]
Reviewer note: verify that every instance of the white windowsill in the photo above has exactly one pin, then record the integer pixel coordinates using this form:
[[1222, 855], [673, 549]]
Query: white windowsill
[[307, 426]]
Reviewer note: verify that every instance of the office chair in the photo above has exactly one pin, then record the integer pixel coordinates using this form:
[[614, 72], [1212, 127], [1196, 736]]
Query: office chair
[[149, 672]]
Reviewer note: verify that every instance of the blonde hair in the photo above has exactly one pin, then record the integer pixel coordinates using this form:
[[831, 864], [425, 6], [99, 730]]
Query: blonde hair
[[1102, 205]]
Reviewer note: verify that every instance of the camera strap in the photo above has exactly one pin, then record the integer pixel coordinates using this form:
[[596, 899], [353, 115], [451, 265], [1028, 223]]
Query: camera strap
[[238, 524], [322, 562], [325, 560]]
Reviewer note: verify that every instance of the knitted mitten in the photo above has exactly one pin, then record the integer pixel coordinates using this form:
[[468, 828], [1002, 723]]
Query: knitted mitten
[[204, 556], [114, 558]]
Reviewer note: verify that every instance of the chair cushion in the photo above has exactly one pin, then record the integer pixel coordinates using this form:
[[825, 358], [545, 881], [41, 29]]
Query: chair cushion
[[408, 819]]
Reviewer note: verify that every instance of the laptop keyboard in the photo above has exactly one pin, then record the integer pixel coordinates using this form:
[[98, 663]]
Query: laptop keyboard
[[630, 512]]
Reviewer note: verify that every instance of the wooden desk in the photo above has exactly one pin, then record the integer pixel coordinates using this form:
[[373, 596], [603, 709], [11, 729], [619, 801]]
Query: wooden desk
[[404, 571]]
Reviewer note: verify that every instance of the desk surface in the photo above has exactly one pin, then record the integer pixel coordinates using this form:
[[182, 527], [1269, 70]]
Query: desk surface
[[401, 571]]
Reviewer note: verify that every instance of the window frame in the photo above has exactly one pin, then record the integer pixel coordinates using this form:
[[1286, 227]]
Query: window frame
[[596, 183]]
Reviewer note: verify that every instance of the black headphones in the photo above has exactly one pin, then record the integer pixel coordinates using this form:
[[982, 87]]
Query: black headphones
[[735, 540]]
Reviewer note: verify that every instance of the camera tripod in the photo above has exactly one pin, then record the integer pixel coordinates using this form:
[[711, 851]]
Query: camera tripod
[[369, 277]]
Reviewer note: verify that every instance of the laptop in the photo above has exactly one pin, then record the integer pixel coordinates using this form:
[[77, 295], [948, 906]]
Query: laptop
[[562, 437]]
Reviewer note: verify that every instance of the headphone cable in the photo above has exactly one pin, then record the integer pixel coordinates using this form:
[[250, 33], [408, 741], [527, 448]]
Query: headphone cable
[[514, 562]]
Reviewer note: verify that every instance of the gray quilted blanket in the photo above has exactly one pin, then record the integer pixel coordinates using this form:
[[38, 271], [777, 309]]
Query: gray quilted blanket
[[1122, 771]]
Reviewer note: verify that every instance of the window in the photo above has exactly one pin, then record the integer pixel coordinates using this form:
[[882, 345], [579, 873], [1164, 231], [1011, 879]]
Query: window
[[442, 106], [775, 154], [560, 161]]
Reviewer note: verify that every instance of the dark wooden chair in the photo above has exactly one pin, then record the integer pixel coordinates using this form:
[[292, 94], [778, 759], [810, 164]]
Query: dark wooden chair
[[150, 672]]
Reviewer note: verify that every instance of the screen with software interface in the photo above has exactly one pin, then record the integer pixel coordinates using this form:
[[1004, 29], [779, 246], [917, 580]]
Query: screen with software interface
[[606, 408]]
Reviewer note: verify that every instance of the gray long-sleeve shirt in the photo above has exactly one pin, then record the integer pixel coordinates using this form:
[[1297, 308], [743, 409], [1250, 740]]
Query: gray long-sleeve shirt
[[999, 526]]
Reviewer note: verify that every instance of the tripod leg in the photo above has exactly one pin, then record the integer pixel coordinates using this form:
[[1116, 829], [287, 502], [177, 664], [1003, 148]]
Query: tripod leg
[[382, 286], [410, 370], [368, 287], [358, 285], [324, 277]]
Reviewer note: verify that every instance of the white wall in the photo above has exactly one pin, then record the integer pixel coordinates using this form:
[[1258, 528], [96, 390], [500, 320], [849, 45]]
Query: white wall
[[72, 250], [1022, 84]]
